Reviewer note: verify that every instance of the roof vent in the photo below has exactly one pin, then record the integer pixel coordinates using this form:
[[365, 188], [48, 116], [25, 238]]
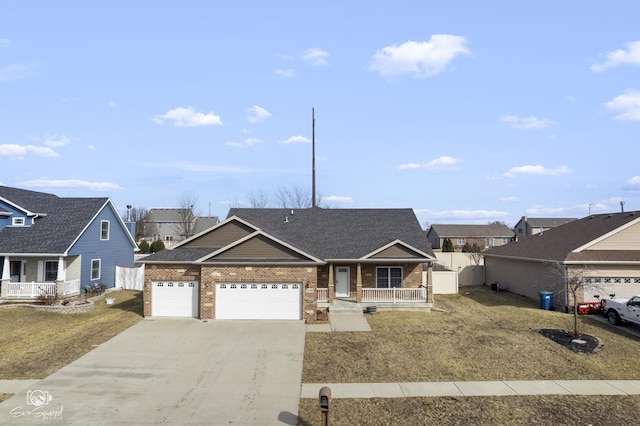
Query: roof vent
[[286, 219]]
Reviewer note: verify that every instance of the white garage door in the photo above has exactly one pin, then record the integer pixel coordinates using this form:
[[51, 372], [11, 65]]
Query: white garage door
[[174, 299], [259, 301]]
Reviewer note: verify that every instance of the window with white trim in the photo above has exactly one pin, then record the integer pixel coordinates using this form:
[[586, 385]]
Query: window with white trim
[[17, 221], [104, 229], [95, 269], [461, 241], [389, 277]]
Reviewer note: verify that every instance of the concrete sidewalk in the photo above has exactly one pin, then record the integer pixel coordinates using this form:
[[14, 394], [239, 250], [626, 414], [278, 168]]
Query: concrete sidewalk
[[15, 386], [497, 388]]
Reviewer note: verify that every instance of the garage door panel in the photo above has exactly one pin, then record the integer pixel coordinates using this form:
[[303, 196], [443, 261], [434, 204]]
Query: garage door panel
[[258, 301], [174, 299]]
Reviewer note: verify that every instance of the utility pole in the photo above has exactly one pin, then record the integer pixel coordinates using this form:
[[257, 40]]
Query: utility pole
[[313, 157]]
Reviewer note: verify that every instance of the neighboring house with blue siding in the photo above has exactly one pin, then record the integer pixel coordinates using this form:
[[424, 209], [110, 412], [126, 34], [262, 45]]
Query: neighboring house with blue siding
[[50, 244]]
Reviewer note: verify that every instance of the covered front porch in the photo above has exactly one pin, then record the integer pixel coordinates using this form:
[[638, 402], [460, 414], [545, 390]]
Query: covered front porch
[[372, 284], [31, 277]]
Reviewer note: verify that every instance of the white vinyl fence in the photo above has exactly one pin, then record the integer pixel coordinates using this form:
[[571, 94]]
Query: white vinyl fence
[[130, 278]]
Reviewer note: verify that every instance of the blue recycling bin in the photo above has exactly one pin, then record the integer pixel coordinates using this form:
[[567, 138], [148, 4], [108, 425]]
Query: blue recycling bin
[[546, 300]]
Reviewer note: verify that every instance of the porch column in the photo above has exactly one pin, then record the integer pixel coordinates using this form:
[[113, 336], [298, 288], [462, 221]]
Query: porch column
[[429, 284], [4, 283], [61, 277], [359, 283], [331, 285]]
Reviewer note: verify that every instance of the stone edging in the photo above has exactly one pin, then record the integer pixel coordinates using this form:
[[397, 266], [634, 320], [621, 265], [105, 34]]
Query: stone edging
[[59, 309]]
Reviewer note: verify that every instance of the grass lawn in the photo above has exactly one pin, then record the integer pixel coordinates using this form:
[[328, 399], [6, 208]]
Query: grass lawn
[[480, 335], [35, 344]]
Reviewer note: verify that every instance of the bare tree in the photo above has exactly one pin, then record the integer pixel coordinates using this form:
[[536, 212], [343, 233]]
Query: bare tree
[[293, 198], [575, 282], [186, 206], [259, 199], [140, 215]]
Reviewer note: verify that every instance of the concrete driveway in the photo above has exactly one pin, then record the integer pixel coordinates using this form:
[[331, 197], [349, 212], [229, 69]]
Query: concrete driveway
[[175, 371]]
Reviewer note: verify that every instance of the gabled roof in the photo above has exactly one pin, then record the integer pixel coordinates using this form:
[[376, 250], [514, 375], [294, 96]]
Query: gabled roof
[[59, 223], [339, 233], [165, 215], [570, 242], [310, 236], [472, 231], [546, 222], [202, 223]]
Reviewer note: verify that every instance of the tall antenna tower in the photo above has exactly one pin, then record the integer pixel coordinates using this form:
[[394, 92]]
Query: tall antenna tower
[[313, 157]]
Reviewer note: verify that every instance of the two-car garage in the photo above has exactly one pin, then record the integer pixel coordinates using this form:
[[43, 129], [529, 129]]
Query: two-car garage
[[282, 301]]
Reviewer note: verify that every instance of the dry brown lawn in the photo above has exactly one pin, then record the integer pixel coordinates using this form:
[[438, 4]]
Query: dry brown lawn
[[478, 335], [35, 344]]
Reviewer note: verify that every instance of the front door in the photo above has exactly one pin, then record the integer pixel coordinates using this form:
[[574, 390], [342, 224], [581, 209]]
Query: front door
[[342, 281]]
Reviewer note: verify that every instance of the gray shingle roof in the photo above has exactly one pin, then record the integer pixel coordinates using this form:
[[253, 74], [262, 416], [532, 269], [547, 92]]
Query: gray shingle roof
[[338, 233], [472, 231], [559, 242], [548, 222], [54, 233]]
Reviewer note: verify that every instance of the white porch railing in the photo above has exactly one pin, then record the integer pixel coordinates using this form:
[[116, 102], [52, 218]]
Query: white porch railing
[[31, 290], [71, 288], [323, 295], [394, 295]]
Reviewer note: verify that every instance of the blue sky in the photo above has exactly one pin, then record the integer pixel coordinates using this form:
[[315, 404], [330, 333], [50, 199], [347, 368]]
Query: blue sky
[[465, 111]]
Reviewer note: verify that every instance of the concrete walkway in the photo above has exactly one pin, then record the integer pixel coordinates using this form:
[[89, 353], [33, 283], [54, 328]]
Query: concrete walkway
[[498, 388]]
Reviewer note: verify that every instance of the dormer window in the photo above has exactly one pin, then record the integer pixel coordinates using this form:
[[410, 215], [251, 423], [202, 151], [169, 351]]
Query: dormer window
[[18, 221]]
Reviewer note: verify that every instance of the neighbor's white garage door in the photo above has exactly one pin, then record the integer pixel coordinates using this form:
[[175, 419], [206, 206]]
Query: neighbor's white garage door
[[259, 301], [174, 299]]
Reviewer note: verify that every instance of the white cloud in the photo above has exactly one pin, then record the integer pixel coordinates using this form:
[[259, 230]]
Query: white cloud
[[633, 184], [628, 104], [15, 150], [337, 199], [537, 170], [15, 72], [285, 73], [247, 142], [188, 117], [5, 43], [409, 166], [258, 114], [72, 183], [525, 123], [316, 57], [111, 104], [420, 59], [55, 141], [510, 199], [296, 139], [620, 57], [438, 163], [444, 161]]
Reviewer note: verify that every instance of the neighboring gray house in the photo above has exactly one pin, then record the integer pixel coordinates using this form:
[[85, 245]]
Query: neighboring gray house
[[50, 244], [486, 236], [174, 225], [528, 226], [603, 249], [282, 264]]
